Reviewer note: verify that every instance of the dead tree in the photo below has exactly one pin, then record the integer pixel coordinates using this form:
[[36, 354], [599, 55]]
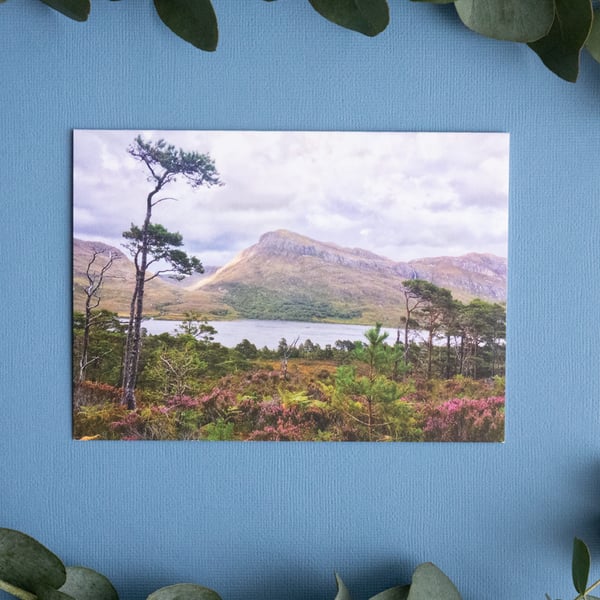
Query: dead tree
[[95, 275]]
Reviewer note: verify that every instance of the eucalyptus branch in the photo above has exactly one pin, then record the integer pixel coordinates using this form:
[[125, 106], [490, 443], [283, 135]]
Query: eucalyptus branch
[[556, 32], [588, 590]]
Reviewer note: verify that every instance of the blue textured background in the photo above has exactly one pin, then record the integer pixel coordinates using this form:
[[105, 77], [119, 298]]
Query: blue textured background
[[273, 521]]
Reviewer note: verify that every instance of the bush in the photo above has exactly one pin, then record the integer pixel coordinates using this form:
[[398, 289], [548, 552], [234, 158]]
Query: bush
[[94, 421], [466, 420], [92, 392]]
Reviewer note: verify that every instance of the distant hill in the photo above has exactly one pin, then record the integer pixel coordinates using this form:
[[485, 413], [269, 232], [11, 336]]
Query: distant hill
[[163, 296], [290, 276]]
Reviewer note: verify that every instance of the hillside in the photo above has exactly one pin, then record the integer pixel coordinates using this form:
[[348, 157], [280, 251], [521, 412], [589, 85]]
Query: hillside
[[289, 276], [164, 296]]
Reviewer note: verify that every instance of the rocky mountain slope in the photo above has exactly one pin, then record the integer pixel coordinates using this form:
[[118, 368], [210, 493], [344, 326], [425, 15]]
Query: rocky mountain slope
[[289, 276]]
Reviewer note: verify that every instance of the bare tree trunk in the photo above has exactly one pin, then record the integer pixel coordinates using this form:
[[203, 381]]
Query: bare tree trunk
[[92, 301], [285, 358]]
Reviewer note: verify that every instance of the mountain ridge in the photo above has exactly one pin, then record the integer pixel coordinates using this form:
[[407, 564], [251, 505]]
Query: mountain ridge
[[290, 245], [286, 275]]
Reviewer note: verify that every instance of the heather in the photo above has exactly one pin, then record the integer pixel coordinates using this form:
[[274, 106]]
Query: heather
[[428, 375], [192, 388]]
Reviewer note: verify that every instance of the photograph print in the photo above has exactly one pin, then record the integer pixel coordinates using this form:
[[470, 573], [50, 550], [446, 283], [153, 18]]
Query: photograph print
[[289, 286]]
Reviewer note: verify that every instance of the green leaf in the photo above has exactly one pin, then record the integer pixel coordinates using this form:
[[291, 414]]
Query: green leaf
[[561, 48], [593, 41], [16, 591], [429, 583], [85, 584], [342, 590], [400, 592], [27, 564], [184, 591], [365, 16], [194, 21], [512, 20], [580, 565], [46, 592], [77, 10]]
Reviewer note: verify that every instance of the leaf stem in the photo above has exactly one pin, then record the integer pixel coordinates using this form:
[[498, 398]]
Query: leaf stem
[[588, 590]]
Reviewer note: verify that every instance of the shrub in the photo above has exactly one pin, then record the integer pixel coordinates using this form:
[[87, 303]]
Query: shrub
[[466, 420], [93, 392], [146, 423], [94, 421]]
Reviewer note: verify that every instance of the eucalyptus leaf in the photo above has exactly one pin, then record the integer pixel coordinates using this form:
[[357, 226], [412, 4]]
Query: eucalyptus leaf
[[77, 10], [512, 20], [46, 592], [560, 50], [400, 592], [16, 591], [593, 41], [342, 590], [27, 564], [580, 565], [184, 591], [429, 583], [194, 21], [369, 17], [85, 584]]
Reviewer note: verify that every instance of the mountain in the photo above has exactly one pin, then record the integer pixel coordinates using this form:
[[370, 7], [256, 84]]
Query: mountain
[[289, 276], [163, 296], [469, 276]]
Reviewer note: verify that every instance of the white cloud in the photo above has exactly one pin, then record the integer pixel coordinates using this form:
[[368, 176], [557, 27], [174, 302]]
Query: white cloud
[[402, 195]]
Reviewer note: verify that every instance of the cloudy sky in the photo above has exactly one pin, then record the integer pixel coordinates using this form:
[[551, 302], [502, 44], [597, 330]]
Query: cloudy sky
[[400, 195]]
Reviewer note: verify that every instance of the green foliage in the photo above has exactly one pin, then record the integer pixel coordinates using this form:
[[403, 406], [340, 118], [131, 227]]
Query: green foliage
[[192, 20], [400, 592], [592, 44], [342, 590], [104, 349], [190, 387], [26, 561], [561, 47], [252, 302], [152, 243], [27, 566], [580, 569], [161, 245], [78, 10], [220, 430], [196, 326], [580, 565], [84, 584], [512, 20], [429, 583], [175, 371], [369, 17], [557, 30], [184, 591], [196, 168]]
